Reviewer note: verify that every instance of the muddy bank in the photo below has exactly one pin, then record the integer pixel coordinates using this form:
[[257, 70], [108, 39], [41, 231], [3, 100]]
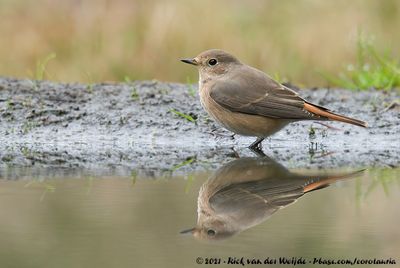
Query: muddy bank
[[120, 128]]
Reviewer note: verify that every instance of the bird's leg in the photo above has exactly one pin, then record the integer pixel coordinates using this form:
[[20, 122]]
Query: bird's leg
[[256, 147], [235, 153], [257, 143]]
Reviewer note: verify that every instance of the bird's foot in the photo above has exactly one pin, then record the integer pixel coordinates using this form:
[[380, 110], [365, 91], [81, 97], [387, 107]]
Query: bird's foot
[[258, 151], [256, 147], [235, 153]]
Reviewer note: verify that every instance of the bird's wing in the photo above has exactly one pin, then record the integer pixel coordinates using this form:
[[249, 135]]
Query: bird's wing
[[272, 193], [257, 94], [254, 195]]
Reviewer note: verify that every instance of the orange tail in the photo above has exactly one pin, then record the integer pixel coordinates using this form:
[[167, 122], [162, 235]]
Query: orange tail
[[324, 182], [332, 116]]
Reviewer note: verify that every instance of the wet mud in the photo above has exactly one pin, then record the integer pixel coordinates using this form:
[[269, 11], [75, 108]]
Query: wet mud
[[153, 129]]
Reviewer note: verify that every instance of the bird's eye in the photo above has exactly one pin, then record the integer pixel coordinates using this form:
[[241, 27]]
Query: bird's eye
[[210, 232], [212, 62]]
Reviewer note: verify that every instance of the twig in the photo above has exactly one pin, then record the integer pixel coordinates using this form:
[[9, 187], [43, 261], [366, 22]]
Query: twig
[[328, 126], [391, 106]]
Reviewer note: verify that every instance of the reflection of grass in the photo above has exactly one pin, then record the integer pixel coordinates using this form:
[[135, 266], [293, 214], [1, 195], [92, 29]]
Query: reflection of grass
[[133, 178], [383, 179], [47, 188], [190, 179], [372, 70], [89, 184]]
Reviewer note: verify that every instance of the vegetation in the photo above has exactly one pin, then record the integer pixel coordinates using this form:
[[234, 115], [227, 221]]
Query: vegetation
[[385, 180], [191, 89], [290, 40], [183, 115], [41, 66], [372, 70], [187, 161], [134, 93]]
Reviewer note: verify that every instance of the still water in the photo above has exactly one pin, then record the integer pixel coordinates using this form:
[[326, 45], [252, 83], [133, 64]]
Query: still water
[[253, 208]]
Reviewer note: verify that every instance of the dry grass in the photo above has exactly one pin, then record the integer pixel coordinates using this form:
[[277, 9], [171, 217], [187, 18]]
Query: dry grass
[[110, 40]]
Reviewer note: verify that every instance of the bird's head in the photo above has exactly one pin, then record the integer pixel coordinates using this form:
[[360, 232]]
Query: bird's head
[[213, 62], [211, 230]]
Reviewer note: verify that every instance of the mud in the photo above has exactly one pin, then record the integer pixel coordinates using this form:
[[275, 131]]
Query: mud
[[57, 129]]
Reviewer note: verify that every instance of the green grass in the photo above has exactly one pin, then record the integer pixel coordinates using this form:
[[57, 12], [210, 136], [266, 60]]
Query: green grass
[[183, 115], [188, 161], [134, 93], [133, 38], [191, 89], [278, 77], [373, 69], [311, 132], [27, 127], [90, 83], [10, 104], [41, 66], [40, 71]]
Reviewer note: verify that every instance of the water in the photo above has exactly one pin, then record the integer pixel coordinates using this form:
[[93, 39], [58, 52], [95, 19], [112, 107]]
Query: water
[[136, 222]]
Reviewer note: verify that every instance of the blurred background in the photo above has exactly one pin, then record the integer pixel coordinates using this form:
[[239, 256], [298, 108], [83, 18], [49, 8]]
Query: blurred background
[[119, 40]]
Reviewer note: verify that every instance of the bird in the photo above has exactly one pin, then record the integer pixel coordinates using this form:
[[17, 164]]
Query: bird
[[247, 191], [248, 102]]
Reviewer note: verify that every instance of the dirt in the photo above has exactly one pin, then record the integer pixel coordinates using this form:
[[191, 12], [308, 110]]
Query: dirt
[[59, 129]]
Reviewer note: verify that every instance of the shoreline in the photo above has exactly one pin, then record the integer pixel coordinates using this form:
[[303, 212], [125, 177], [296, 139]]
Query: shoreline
[[120, 128]]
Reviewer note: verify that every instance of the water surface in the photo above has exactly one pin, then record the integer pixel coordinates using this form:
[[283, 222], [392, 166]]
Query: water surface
[[136, 222]]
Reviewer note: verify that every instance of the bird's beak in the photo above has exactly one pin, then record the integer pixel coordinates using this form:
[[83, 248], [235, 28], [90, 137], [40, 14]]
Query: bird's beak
[[187, 231], [189, 61]]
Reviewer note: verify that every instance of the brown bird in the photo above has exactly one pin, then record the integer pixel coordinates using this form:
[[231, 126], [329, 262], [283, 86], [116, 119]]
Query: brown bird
[[247, 191], [248, 102]]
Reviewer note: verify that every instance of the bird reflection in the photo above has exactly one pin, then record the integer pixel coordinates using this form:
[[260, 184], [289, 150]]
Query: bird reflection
[[247, 191]]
